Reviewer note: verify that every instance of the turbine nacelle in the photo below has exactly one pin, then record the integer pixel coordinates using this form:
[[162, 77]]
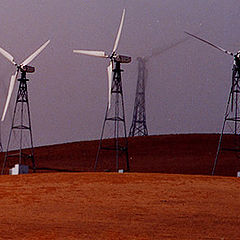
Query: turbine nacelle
[[122, 59], [27, 69]]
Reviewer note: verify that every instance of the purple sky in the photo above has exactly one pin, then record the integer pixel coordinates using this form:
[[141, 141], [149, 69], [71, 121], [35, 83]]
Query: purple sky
[[187, 86]]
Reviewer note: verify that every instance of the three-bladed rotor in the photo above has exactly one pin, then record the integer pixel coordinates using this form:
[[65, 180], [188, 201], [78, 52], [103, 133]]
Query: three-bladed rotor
[[21, 67], [114, 57]]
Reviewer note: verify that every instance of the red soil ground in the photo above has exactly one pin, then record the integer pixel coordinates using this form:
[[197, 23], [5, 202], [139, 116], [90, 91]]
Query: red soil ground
[[148, 205], [119, 206]]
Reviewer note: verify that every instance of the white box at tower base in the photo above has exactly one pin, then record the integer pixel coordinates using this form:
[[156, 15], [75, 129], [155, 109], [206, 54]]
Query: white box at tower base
[[238, 174], [18, 169]]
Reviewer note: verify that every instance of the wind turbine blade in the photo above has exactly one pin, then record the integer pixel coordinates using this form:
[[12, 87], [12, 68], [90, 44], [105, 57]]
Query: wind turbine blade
[[156, 52], [215, 46], [7, 55], [119, 32], [110, 76], [10, 90], [31, 57], [92, 53]]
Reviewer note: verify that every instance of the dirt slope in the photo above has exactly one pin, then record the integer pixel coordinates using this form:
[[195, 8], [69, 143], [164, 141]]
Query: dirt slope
[[180, 154], [119, 206]]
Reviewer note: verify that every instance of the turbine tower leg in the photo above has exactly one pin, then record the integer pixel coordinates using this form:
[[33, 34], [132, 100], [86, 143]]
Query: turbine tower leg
[[139, 126], [115, 116], [231, 118], [1, 147], [21, 129]]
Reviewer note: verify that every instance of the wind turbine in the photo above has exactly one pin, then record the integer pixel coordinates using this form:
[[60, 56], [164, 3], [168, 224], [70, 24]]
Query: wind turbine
[[139, 126], [114, 87], [232, 116], [22, 99]]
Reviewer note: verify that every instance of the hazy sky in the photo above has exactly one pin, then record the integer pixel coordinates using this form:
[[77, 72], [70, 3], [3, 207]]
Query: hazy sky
[[187, 85]]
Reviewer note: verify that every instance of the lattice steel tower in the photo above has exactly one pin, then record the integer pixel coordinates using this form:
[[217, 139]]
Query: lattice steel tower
[[21, 127], [115, 116], [231, 123], [139, 126]]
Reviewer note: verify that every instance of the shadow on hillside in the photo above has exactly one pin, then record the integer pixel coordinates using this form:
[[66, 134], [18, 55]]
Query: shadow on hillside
[[55, 170]]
